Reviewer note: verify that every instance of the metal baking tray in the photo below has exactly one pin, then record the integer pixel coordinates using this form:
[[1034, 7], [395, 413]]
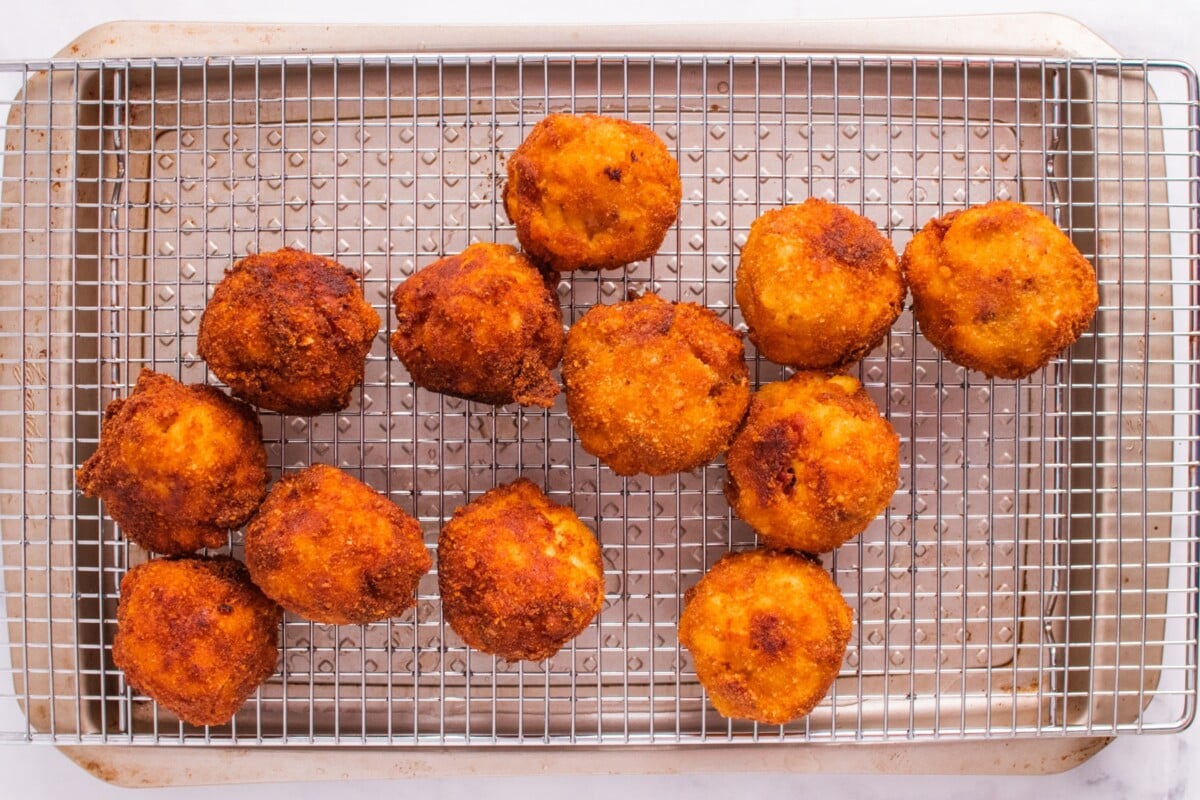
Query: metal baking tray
[[1033, 579]]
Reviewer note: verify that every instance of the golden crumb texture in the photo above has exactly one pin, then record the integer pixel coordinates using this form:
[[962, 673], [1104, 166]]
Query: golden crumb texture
[[587, 191], [195, 635], [329, 548], [484, 325], [654, 387], [818, 285], [767, 631], [289, 331], [999, 288], [520, 575], [178, 465], [814, 464]]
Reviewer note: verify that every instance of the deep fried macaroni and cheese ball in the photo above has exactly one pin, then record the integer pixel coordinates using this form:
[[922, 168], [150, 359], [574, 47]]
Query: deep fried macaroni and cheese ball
[[591, 192], [178, 465], [767, 631], [999, 288], [196, 635], [328, 547], [814, 463], [483, 325], [654, 387], [818, 285], [289, 331], [520, 575]]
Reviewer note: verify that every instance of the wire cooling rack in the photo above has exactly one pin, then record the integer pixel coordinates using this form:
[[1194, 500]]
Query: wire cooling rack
[[1036, 572]]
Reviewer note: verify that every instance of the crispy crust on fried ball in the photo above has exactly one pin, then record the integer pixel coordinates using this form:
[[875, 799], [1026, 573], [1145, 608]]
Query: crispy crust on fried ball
[[999, 288], [289, 331], [767, 631], [591, 192], [196, 635], [328, 547], [483, 325], [818, 285], [654, 387], [519, 575], [178, 465], [814, 464]]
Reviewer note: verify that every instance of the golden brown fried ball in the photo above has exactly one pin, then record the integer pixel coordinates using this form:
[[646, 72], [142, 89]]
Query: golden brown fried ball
[[818, 285], [814, 464], [999, 288], [177, 466], [654, 387], [767, 631], [328, 547], [520, 576], [591, 192], [196, 635], [483, 325], [289, 331]]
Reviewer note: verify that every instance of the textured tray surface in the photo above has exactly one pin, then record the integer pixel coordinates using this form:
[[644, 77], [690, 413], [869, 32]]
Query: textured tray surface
[[1018, 584]]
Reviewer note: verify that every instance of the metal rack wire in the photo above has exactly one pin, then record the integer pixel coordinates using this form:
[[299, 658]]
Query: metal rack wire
[[1035, 574]]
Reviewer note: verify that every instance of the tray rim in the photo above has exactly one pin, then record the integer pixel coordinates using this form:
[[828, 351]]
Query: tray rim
[[1024, 34]]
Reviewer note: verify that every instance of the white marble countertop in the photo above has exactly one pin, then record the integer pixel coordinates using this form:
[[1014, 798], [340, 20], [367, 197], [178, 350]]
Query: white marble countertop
[[1150, 766]]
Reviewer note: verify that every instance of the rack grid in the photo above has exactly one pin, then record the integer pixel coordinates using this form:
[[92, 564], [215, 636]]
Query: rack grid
[[1035, 574]]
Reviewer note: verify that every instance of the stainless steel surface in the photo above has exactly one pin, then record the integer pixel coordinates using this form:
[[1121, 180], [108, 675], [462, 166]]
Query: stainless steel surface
[[1035, 574]]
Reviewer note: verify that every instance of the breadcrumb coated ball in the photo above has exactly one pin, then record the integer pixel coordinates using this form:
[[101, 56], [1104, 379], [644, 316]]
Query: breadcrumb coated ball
[[814, 464], [767, 631], [196, 635], [289, 331], [654, 387], [520, 576], [587, 191], [999, 288], [328, 547], [818, 285], [483, 325], [178, 465]]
